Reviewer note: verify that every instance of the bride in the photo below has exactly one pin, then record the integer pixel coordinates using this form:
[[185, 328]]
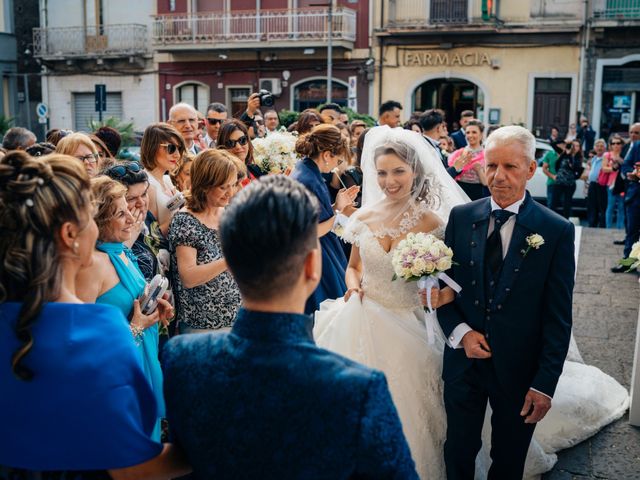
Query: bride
[[380, 322]]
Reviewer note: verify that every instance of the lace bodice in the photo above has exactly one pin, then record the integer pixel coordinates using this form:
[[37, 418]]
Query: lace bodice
[[378, 270]]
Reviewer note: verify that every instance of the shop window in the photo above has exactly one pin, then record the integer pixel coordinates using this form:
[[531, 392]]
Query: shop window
[[193, 93], [312, 93]]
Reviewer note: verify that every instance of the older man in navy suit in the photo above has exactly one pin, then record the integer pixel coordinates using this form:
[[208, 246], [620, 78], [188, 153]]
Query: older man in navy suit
[[508, 332], [264, 401]]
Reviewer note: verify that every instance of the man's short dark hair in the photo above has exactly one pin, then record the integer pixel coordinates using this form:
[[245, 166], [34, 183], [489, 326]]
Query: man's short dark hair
[[430, 119], [267, 232], [216, 107], [331, 106], [18, 138], [389, 107], [467, 114]]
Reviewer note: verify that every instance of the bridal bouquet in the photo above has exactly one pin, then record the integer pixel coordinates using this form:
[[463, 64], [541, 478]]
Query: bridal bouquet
[[275, 153], [424, 258], [633, 261]]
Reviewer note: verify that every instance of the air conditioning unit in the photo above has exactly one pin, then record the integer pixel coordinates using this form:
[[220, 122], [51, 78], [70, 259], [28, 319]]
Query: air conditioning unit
[[274, 85]]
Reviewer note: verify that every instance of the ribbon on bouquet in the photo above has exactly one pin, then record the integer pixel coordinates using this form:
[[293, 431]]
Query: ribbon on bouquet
[[427, 282]]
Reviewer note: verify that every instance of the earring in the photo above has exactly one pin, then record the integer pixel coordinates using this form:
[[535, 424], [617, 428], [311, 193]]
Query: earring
[[74, 247]]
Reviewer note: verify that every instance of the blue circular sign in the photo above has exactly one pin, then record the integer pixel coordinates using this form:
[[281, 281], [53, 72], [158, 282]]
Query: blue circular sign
[[42, 109]]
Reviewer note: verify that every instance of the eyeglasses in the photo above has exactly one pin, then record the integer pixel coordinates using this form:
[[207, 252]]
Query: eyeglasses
[[119, 171], [242, 141], [91, 159], [215, 121], [171, 147], [616, 143]]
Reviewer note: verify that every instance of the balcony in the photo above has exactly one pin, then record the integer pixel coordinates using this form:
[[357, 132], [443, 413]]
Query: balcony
[[307, 27], [616, 10], [105, 41], [425, 13]]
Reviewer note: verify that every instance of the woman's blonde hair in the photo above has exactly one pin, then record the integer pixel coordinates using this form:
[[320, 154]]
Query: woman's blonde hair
[[106, 191], [37, 197], [69, 144], [210, 169]]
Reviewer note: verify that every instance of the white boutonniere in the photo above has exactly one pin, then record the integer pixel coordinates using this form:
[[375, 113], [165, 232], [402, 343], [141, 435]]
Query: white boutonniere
[[535, 241]]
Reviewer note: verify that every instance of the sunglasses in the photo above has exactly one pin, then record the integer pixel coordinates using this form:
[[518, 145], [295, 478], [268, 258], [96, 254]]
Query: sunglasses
[[215, 121], [120, 171], [616, 143], [171, 147], [242, 141]]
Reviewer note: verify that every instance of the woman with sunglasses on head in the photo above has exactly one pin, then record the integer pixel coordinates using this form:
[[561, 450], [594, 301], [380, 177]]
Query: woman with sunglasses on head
[[322, 149], [207, 297], [611, 163], [80, 146], [234, 137], [114, 278], [75, 402], [161, 149]]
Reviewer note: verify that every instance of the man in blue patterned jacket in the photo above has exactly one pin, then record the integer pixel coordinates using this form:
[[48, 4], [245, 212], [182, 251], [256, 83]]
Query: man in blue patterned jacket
[[264, 401]]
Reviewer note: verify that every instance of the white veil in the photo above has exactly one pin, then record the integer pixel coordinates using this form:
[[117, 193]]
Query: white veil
[[434, 190]]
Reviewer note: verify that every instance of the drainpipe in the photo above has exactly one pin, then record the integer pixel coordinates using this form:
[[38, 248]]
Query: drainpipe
[[583, 57], [381, 45]]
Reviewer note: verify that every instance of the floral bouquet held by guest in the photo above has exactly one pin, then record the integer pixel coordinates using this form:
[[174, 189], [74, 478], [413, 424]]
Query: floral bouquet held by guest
[[276, 153], [424, 258]]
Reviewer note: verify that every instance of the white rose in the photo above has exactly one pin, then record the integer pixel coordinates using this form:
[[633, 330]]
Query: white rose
[[429, 266], [443, 264], [635, 250], [535, 240], [434, 250], [419, 264]]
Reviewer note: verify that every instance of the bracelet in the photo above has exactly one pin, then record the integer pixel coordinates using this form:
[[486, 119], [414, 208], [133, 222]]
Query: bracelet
[[137, 332]]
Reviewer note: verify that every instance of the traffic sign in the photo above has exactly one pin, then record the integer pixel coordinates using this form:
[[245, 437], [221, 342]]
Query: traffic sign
[[42, 110], [101, 98]]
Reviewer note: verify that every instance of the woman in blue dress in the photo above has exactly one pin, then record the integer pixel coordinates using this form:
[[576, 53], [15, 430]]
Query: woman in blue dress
[[323, 148], [114, 278], [75, 402]]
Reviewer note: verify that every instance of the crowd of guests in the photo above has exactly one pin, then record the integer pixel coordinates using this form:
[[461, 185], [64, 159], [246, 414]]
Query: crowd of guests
[[94, 232]]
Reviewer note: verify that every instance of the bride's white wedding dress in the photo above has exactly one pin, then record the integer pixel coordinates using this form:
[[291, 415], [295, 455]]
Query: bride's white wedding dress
[[386, 331]]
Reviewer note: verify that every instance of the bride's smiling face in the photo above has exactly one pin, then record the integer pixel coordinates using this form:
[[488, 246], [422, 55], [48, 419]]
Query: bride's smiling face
[[395, 176]]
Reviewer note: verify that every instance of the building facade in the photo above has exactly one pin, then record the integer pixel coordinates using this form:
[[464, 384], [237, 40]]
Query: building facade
[[8, 61], [510, 61], [84, 43], [612, 66], [223, 50]]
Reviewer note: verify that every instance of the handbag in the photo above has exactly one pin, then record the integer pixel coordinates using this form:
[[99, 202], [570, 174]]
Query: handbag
[[619, 184]]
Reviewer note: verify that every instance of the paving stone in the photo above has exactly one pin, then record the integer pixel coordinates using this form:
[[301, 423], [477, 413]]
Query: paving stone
[[578, 462]]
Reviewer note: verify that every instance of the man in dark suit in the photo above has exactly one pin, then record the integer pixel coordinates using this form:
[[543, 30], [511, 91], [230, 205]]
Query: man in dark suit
[[264, 401], [508, 332], [458, 136], [433, 128]]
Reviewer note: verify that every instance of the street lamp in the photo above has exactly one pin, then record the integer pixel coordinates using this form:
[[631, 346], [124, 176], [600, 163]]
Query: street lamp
[[329, 47]]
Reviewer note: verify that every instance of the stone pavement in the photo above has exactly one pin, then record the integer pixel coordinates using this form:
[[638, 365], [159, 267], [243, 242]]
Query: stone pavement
[[605, 314]]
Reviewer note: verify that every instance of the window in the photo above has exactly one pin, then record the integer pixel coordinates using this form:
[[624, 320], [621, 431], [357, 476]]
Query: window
[[312, 93], [449, 11], [196, 94]]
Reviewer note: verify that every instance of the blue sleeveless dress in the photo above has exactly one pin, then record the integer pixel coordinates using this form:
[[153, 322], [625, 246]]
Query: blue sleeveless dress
[[122, 295]]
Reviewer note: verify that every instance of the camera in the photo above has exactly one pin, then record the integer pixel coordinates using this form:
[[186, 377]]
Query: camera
[[266, 98], [157, 288]]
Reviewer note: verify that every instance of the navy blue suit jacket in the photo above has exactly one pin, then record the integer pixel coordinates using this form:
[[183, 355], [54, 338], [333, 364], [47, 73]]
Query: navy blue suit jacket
[[528, 322], [633, 188], [265, 402]]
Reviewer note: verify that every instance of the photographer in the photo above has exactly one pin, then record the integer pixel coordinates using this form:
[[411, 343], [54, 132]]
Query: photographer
[[569, 168], [263, 98]]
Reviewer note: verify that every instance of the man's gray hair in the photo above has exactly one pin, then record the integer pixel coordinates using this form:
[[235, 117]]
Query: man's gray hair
[[18, 138], [178, 106], [513, 133]]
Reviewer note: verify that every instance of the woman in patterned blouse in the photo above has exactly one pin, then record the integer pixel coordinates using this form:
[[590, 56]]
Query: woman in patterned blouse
[[207, 297]]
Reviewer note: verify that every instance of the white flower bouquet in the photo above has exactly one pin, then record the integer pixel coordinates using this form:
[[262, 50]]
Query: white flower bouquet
[[633, 261], [275, 153], [424, 258]]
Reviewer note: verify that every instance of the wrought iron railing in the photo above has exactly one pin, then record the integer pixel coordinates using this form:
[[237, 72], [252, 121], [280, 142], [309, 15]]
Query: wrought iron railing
[[102, 40], [416, 13], [617, 9], [252, 26]]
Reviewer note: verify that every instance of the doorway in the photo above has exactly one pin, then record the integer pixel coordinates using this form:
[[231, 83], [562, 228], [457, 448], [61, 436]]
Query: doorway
[[452, 95]]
